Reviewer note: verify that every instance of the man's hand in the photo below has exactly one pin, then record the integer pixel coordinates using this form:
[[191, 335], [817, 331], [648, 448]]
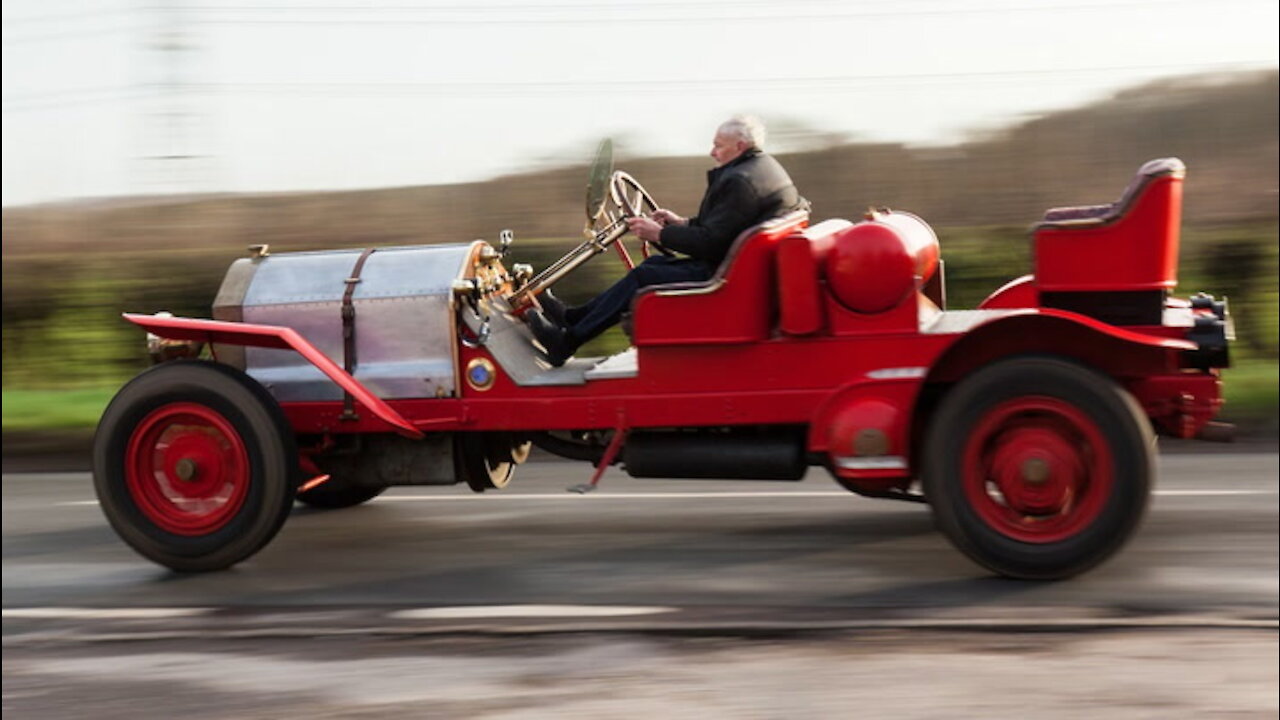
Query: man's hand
[[665, 217], [644, 228]]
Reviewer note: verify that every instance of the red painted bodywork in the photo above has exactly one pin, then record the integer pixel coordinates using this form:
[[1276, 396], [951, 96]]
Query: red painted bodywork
[[1017, 293], [876, 265], [768, 342], [735, 306], [1138, 250], [800, 257], [1180, 404]]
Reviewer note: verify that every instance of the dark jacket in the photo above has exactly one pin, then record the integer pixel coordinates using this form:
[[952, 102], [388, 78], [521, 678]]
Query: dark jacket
[[748, 190]]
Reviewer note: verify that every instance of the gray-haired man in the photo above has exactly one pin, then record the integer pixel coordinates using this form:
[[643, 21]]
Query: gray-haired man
[[745, 188]]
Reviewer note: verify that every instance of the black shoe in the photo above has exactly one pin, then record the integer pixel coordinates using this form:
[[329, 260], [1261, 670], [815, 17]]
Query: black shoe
[[554, 308], [553, 338]]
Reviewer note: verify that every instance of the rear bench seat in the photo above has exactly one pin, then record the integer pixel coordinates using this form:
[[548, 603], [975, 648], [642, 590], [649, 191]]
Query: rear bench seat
[[1131, 244]]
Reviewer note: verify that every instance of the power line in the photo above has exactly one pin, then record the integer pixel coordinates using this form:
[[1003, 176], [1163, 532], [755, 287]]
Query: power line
[[753, 83], [65, 98], [605, 14], [28, 39], [951, 8], [72, 95], [90, 15], [538, 14]]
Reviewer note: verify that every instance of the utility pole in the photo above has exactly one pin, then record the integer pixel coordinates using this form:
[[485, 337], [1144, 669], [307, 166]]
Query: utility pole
[[175, 123]]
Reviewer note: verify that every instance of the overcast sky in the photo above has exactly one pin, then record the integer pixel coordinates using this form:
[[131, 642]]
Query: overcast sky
[[117, 97]]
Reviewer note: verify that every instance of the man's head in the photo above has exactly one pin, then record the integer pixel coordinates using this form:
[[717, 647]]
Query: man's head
[[735, 136]]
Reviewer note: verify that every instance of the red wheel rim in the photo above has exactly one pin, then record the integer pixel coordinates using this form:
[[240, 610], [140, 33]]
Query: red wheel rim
[[1037, 469], [187, 469]]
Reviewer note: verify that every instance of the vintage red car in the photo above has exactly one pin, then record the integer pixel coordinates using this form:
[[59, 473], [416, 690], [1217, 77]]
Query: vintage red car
[[1027, 424]]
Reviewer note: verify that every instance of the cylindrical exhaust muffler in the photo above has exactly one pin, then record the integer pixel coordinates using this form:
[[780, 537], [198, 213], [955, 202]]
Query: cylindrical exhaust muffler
[[721, 453]]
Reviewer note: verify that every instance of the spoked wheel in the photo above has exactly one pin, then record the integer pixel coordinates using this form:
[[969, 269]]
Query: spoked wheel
[[1038, 468], [194, 465], [487, 461]]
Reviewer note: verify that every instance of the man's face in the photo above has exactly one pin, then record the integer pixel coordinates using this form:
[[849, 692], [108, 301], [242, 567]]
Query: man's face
[[724, 148]]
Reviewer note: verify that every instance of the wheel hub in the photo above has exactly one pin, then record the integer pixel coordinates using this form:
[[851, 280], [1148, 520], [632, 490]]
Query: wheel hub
[[188, 469], [1037, 469]]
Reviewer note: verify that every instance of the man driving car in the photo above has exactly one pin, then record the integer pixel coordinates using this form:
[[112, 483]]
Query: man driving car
[[745, 188]]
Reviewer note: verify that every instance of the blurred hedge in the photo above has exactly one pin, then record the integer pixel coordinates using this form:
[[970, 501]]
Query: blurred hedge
[[62, 326]]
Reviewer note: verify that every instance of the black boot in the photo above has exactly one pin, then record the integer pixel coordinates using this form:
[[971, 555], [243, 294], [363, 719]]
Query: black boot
[[555, 339], [554, 308]]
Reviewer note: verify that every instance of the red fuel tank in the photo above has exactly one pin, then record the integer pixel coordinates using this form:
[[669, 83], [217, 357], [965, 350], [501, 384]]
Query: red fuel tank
[[875, 265]]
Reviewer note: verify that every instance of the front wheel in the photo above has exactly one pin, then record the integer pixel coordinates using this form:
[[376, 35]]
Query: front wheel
[[1038, 468], [194, 465]]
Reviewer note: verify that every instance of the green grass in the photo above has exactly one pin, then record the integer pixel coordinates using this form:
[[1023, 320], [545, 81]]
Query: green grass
[[33, 410], [1250, 389]]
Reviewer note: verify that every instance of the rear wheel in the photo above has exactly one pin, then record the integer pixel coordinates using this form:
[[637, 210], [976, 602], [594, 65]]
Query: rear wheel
[[194, 465], [1038, 468]]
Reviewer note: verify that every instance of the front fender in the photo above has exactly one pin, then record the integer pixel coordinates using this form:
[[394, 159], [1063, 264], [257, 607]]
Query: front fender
[[280, 338]]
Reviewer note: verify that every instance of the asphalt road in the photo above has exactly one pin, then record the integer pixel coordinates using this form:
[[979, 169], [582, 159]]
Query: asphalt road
[[1208, 545], [534, 602]]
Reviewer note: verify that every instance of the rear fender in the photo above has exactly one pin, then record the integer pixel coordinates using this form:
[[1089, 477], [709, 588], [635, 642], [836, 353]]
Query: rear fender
[[1115, 351], [1018, 293], [277, 337]]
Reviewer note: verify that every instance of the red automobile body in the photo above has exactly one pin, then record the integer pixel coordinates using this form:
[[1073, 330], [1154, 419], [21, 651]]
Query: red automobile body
[[1026, 424], [788, 335]]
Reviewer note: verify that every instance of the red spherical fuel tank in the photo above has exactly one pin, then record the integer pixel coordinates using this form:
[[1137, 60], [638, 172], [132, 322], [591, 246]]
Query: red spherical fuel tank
[[875, 265]]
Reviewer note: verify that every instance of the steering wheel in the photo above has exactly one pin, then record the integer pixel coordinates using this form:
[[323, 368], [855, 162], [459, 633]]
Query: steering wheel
[[633, 200]]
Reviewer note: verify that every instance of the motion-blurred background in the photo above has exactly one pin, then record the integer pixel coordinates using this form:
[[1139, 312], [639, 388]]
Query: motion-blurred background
[[148, 142]]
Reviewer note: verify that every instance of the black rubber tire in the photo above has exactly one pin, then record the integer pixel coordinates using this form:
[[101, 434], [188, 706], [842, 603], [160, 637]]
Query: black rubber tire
[[484, 460], [335, 494], [260, 426], [1115, 415]]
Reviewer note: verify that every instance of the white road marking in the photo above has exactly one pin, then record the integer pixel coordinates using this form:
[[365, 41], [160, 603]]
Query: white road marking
[[465, 612], [1212, 493], [614, 496], [75, 613], [685, 495]]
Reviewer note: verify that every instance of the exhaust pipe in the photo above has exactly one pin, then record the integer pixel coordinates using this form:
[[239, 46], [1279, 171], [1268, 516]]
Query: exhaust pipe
[[726, 454]]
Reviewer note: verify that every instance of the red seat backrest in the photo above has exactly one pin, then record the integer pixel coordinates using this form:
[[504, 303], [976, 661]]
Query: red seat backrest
[[801, 256]]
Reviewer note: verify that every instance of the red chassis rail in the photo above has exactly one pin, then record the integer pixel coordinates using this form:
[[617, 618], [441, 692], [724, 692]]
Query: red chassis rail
[[777, 381]]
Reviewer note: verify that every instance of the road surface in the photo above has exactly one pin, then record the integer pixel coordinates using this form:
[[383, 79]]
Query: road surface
[[644, 599]]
